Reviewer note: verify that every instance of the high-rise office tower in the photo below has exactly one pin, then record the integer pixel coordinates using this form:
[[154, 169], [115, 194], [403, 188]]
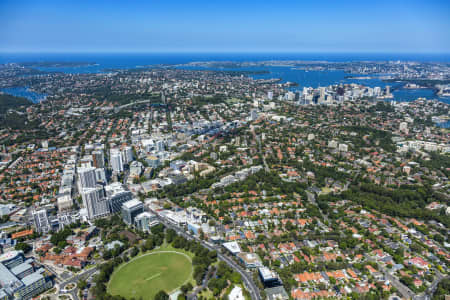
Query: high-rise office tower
[[86, 178], [131, 209], [145, 220], [100, 175], [159, 145], [377, 91], [116, 160], [41, 221], [322, 92], [98, 158], [127, 154], [117, 196], [95, 202]]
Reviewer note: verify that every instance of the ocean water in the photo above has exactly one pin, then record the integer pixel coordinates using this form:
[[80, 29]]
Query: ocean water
[[303, 78], [129, 60]]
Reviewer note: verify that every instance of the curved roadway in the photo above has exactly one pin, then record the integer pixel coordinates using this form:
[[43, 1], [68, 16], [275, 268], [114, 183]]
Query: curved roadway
[[248, 280]]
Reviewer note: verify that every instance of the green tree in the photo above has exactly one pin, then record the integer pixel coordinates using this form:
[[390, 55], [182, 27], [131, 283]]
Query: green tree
[[82, 284], [161, 295], [23, 247]]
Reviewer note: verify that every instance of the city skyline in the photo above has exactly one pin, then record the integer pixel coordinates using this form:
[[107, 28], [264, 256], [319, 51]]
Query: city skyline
[[286, 27]]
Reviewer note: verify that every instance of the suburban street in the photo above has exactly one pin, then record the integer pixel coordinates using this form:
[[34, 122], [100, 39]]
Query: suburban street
[[402, 289], [258, 140], [432, 288]]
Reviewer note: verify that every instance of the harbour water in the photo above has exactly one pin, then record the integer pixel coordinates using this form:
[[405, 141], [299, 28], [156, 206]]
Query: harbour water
[[301, 77], [25, 93]]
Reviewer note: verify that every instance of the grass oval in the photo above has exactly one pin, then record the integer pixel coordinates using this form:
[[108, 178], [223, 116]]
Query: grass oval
[[145, 275]]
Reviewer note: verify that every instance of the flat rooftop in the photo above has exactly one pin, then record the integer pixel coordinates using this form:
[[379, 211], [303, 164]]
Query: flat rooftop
[[132, 203]]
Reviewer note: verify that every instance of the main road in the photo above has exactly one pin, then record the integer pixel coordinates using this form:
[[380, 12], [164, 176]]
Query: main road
[[84, 275], [403, 289], [258, 141], [248, 280], [428, 294]]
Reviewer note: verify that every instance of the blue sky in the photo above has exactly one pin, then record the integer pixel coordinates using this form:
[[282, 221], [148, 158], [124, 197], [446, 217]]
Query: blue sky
[[225, 26]]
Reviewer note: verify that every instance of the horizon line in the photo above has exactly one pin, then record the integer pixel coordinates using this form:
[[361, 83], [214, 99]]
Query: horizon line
[[221, 52]]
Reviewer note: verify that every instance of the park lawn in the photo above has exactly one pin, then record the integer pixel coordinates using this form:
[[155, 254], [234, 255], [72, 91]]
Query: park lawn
[[149, 273], [206, 294], [233, 100], [325, 191], [168, 247]]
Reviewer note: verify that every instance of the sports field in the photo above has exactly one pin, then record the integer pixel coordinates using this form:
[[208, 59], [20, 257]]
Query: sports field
[[145, 275]]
